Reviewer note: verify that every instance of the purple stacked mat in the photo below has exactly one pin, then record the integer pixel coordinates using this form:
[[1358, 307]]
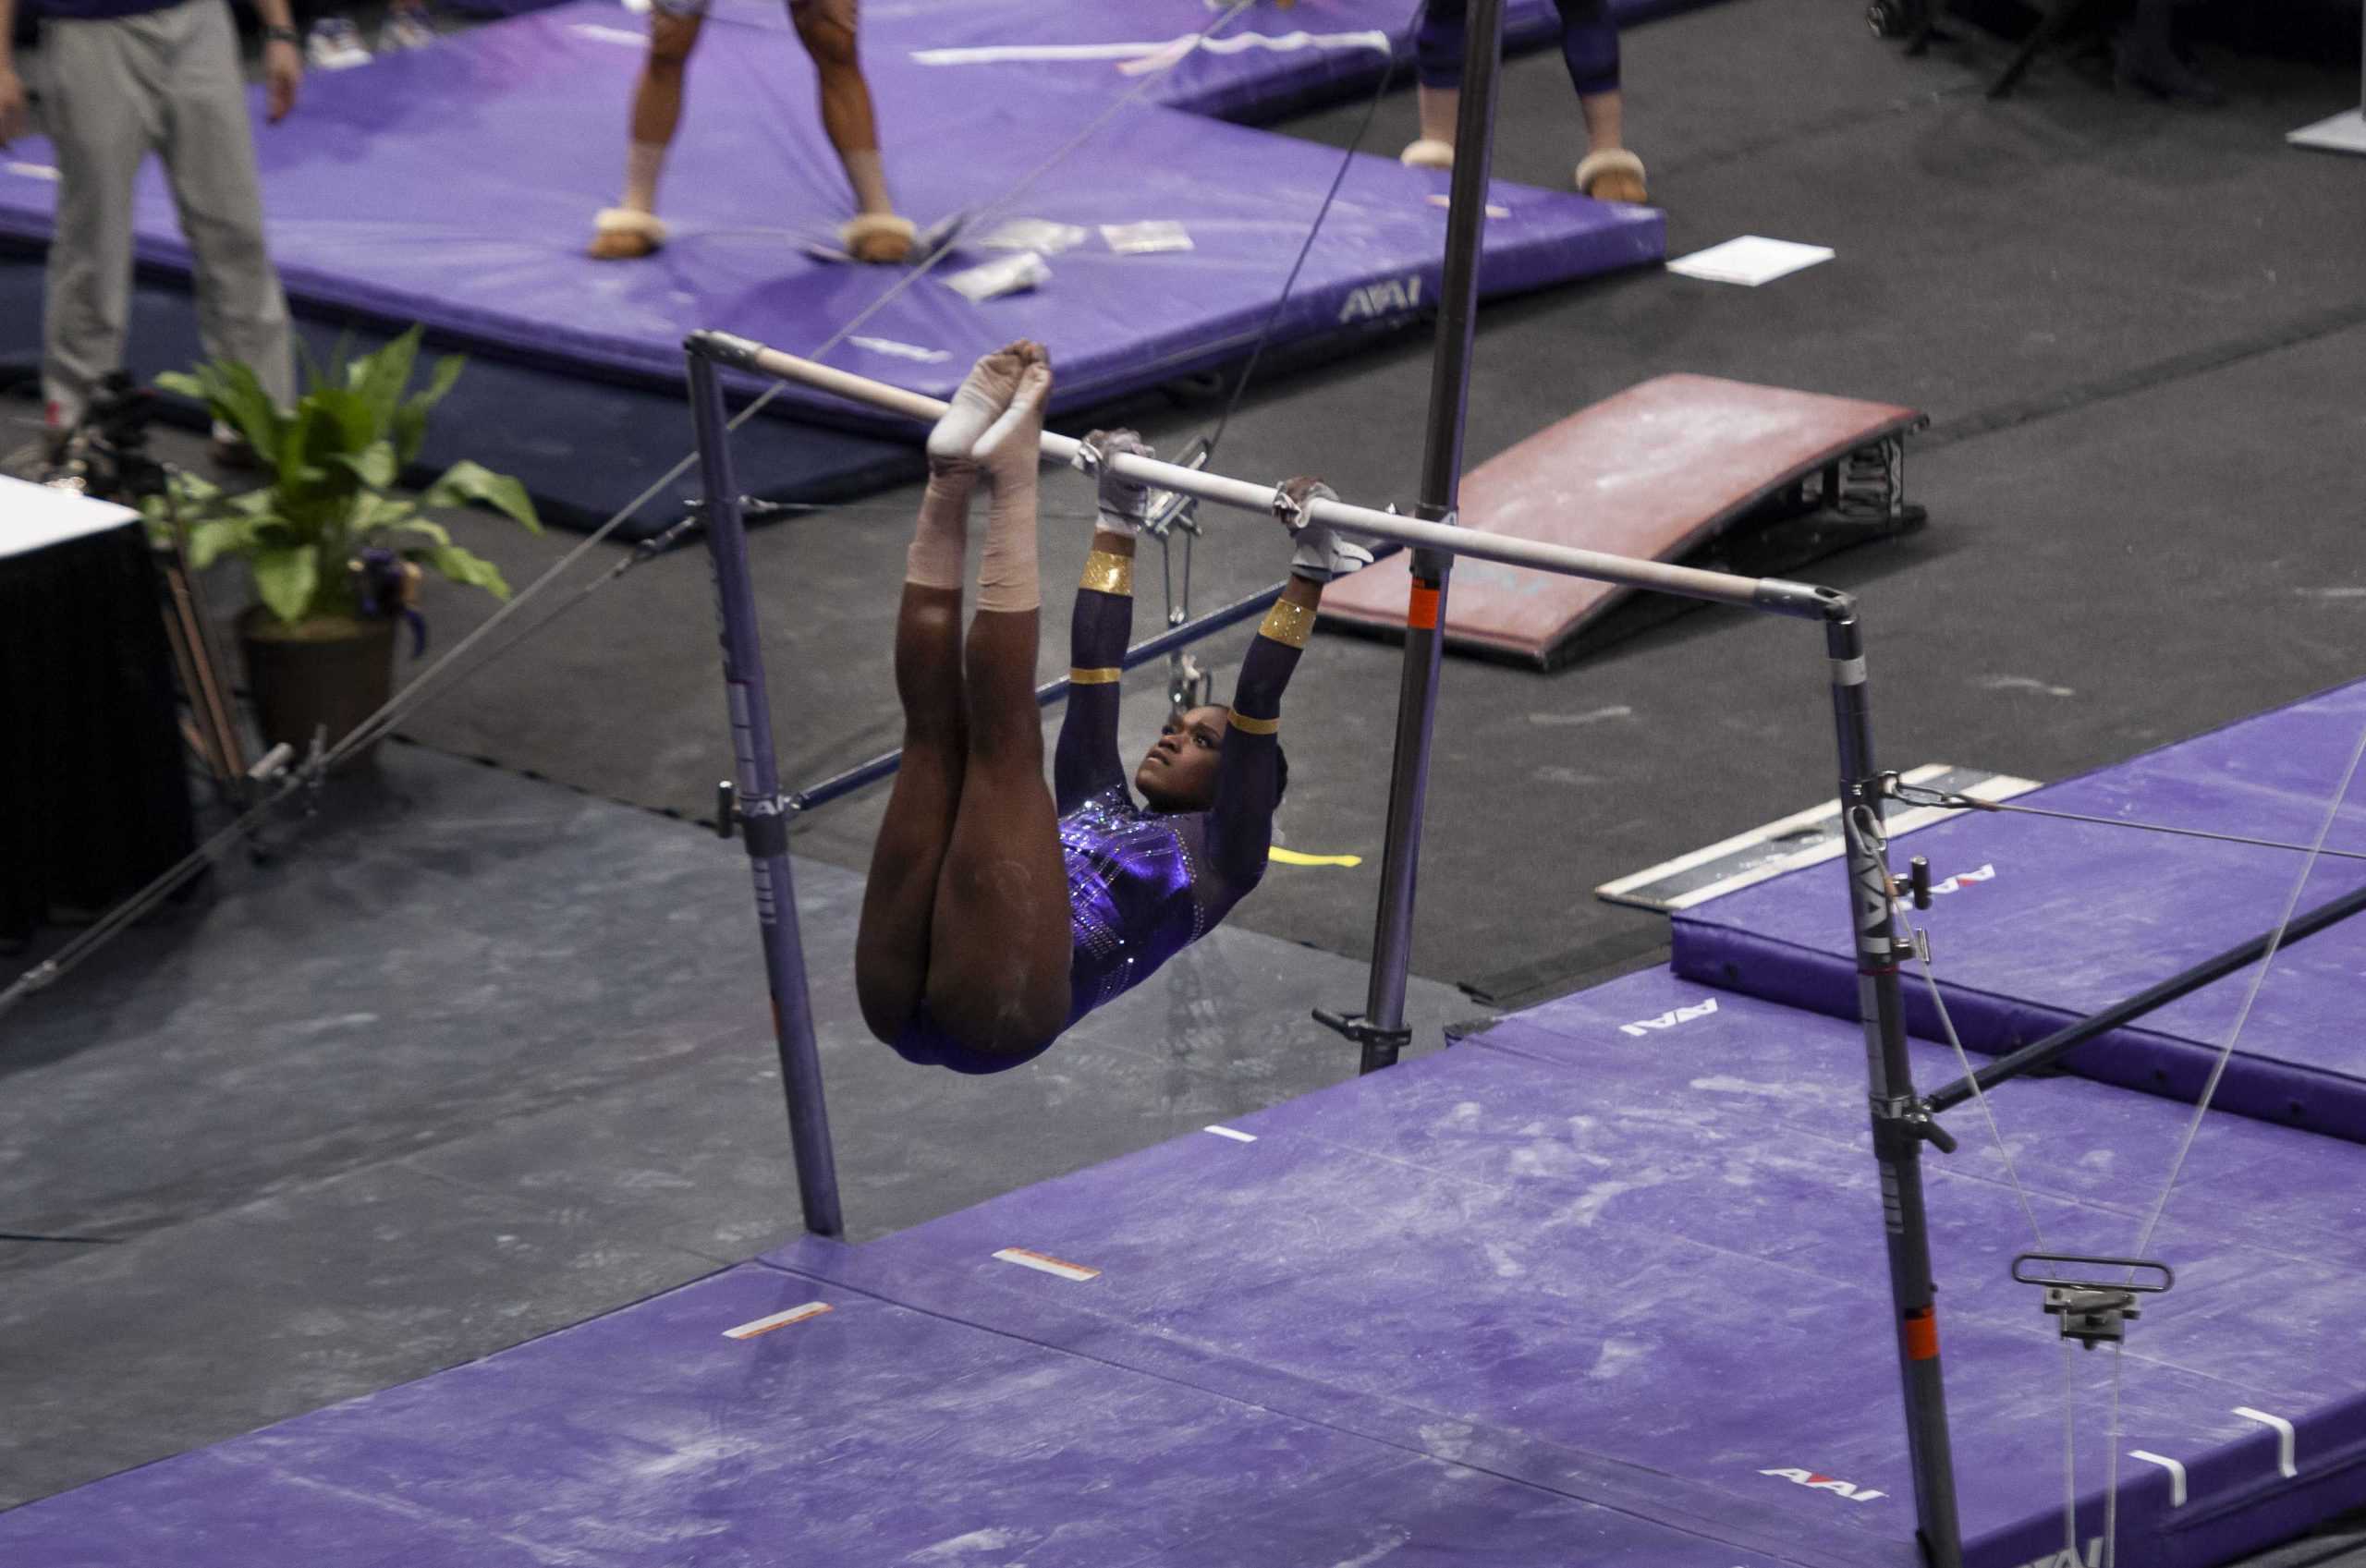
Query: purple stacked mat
[[2052, 920]]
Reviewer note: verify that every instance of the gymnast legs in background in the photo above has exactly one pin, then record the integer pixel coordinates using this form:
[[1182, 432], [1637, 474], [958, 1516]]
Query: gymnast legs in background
[[1589, 46], [826, 28]]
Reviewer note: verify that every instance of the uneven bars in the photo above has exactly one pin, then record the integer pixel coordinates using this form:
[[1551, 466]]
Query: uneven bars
[[1775, 595]]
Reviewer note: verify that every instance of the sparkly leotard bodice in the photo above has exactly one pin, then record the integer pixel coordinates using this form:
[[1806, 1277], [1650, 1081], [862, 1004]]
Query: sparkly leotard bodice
[[1133, 902]]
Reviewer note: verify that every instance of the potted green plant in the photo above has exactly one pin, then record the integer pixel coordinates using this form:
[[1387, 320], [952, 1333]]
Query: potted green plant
[[334, 555]]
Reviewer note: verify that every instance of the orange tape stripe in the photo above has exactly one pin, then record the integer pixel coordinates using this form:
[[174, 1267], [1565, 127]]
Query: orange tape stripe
[[1922, 1335], [777, 1320], [1421, 613], [1027, 1257]]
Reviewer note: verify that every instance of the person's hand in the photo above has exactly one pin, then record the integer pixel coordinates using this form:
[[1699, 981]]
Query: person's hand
[[283, 74], [1124, 504], [1321, 554], [13, 120], [976, 406]]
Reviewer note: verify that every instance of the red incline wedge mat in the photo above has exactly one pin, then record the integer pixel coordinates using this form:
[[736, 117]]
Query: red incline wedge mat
[[1655, 472]]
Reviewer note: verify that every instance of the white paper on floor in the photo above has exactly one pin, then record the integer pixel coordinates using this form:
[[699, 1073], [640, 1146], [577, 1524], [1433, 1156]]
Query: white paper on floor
[[1750, 260]]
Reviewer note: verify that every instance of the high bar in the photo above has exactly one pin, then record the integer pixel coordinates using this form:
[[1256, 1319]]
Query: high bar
[[1776, 595]]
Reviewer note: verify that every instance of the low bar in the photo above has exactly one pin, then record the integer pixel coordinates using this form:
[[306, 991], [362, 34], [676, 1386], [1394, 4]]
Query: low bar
[[2061, 1042], [1774, 595]]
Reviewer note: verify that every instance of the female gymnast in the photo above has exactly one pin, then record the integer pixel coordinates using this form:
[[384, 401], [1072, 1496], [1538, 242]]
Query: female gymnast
[[631, 229], [1590, 47], [997, 914]]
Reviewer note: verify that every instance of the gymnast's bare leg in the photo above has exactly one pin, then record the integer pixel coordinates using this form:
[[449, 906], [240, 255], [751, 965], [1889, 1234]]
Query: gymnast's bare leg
[[962, 956], [631, 229], [826, 28], [827, 31]]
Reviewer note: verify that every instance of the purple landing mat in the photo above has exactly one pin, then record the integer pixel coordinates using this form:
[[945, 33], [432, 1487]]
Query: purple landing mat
[[457, 185], [2049, 921], [867, 1433], [1629, 1246]]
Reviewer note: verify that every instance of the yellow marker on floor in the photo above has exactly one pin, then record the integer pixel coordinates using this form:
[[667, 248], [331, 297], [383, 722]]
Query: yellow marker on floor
[[1292, 857]]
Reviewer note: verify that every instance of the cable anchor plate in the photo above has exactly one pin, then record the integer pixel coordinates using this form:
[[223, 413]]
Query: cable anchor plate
[[2088, 1308]]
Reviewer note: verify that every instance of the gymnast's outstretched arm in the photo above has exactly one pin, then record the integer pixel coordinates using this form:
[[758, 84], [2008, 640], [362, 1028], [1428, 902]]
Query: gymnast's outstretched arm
[[1240, 824], [1086, 761]]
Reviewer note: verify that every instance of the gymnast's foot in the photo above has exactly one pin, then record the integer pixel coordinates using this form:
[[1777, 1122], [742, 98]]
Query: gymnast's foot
[[882, 238], [1613, 175], [1011, 447], [1008, 453], [940, 535], [981, 399], [625, 234]]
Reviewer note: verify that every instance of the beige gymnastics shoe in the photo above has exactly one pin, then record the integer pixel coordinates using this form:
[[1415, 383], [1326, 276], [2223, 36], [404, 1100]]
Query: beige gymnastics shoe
[[882, 238], [1613, 175], [625, 234]]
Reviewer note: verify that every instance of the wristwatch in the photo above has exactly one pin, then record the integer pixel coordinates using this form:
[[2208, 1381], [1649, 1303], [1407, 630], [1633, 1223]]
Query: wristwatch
[[280, 35]]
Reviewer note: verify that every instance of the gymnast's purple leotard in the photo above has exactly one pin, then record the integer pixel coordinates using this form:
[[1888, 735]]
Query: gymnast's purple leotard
[[1134, 899], [1142, 885]]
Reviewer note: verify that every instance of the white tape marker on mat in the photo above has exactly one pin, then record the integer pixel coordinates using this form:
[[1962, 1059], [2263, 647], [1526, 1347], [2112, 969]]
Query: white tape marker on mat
[[1230, 1133], [777, 1320], [2285, 1459], [2176, 1470], [1046, 1264]]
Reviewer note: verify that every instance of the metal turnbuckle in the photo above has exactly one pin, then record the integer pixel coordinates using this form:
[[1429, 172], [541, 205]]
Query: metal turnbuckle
[[2093, 1311]]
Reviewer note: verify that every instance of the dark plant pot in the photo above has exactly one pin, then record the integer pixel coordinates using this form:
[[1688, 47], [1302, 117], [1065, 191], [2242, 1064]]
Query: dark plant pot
[[334, 671]]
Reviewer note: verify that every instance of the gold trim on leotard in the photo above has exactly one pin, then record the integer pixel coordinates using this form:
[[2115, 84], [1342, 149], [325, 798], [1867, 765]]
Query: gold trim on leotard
[[1289, 623], [1103, 676], [1106, 572], [1248, 726]]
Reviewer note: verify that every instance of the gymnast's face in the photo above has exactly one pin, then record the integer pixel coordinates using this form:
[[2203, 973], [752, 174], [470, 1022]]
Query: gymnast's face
[[1179, 774]]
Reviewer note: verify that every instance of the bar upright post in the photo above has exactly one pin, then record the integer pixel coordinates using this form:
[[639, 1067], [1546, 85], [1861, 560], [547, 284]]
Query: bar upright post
[[1901, 1124], [1380, 1031], [762, 814]]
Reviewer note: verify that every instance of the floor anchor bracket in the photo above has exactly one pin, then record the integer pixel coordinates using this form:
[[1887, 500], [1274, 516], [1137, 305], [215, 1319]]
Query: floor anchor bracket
[[2091, 1307]]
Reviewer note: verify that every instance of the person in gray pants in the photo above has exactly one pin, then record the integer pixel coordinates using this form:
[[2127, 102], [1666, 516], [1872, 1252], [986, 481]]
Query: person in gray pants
[[121, 78]]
